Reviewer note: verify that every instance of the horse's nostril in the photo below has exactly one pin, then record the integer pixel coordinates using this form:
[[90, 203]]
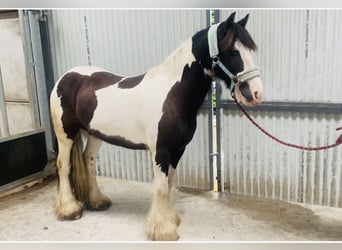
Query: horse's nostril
[[256, 96]]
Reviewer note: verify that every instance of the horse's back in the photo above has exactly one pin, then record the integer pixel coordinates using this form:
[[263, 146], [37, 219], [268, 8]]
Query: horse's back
[[86, 70]]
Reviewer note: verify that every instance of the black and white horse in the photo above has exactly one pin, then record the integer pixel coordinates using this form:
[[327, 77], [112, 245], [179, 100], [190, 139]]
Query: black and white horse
[[155, 111]]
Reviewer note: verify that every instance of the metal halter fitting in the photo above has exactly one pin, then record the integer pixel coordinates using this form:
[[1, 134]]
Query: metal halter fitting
[[214, 54]]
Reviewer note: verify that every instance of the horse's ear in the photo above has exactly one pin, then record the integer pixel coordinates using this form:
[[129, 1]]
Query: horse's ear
[[228, 23], [231, 18], [243, 21]]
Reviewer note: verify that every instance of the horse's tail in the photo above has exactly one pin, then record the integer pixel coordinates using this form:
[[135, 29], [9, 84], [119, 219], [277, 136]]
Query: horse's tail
[[79, 171]]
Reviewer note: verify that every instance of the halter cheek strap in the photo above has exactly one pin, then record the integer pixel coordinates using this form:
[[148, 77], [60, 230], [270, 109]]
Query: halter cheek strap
[[237, 79]]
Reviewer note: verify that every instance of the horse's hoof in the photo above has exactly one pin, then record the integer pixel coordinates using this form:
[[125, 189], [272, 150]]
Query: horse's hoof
[[163, 236], [69, 211], [173, 236], [99, 205], [162, 231], [72, 216]]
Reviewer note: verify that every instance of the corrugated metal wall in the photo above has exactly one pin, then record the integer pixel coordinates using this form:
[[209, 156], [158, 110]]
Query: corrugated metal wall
[[124, 41], [256, 165], [300, 54], [129, 42]]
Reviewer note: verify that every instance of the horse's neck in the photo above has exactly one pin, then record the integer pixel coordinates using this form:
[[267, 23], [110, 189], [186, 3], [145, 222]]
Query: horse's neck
[[190, 76], [197, 86], [177, 60], [185, 76], [192, 82]]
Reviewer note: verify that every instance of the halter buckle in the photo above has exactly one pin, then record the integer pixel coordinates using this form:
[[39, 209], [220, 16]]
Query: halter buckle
[[215, 61], [235, 80]]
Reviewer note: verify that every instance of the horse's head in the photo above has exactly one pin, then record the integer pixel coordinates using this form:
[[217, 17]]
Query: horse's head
[[231, 48]]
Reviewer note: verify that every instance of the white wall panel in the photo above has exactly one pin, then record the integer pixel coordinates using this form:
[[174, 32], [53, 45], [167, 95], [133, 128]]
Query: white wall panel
[[14, 80], [12, 61]]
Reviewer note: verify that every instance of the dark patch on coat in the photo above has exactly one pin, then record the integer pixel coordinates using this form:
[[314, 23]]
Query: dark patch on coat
[[103, 79], [200, 48], [178, 122], [131, 82], [228, 33], [78, 99], [246, 91]]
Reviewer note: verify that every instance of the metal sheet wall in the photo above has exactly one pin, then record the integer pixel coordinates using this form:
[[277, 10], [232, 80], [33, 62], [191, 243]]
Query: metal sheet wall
[[256, 165], [129, 42], [124, 41], [299, 54]]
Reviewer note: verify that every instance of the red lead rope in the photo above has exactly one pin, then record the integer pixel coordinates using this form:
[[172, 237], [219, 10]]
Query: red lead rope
[[338, 141]]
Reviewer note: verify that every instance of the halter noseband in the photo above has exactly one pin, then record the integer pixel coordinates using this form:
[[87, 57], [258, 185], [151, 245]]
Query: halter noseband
[[237, 79]]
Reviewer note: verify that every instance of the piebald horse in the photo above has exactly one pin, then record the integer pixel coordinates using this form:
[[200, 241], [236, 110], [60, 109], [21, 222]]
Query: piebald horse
[[155, 111]]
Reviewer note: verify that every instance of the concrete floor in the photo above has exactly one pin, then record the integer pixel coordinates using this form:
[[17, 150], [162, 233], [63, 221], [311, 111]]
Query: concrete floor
[[206, 216]]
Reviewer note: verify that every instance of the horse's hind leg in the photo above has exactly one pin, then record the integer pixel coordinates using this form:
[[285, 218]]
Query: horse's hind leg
[[97, 201], [66, 206]]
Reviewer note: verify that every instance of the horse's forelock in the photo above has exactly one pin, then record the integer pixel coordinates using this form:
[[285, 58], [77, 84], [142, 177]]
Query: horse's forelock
[[237, 32], [244, 37]]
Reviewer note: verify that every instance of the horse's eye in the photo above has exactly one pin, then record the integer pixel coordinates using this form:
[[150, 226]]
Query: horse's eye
[[234, 52]]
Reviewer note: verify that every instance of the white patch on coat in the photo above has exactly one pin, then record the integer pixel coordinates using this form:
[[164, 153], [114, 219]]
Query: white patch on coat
[[134, 113], [255, 84]]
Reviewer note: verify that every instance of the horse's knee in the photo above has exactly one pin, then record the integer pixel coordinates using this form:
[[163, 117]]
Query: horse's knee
[[63, 157], [162, 160]]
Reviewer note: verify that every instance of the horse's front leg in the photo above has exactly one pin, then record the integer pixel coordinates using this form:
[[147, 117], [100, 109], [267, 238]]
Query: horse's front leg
[[163, 219]]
